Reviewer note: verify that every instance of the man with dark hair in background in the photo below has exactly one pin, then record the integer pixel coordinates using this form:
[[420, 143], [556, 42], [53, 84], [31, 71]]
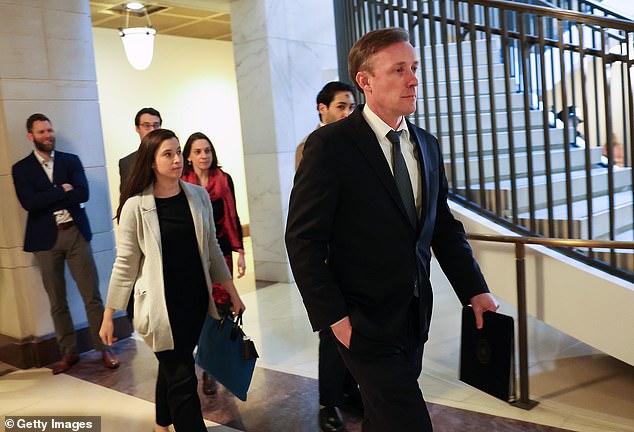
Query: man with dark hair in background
[[52, 188], [145, 121], [368, 204], [337, 386], [335, 101]]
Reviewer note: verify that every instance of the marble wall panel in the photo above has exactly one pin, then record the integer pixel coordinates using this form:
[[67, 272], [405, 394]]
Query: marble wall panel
[[98, 205], [320, 29], [279, 64], [256, 96], [248, 20], [23, 57], [20, 299], [21, 89], [47, 66], [12, 215], [20, 20], [71, 59], [77, 127], [283, 73], [103, 242], [10, 324], [273, 271], [305, 85], [60, 24]]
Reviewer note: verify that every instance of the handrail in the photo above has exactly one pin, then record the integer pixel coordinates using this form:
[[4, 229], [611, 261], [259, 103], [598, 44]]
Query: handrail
[[538, 3], [594, 5], [580, 17], [562, 14], [554, 242], [520, 242]]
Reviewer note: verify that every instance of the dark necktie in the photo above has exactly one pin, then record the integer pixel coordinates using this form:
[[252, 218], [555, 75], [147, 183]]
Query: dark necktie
[[401, 176]]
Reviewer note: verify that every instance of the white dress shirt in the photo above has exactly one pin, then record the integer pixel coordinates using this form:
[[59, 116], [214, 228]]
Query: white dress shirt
[[380, 129], [61, 216]]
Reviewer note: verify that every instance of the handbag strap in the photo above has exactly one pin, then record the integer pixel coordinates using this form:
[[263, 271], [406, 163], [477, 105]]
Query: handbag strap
[[236, 329], [238, 320]]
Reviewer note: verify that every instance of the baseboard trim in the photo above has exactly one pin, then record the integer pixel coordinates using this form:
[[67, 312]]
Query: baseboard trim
[[39, 351]]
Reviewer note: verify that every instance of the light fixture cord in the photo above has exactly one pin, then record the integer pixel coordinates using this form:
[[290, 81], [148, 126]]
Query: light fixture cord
[[147, 17]]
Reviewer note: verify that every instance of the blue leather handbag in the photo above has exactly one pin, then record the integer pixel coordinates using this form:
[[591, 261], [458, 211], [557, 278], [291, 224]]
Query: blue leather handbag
[[225, 353]]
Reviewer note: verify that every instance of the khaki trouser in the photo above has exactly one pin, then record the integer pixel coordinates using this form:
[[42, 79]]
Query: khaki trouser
[[71, 247]]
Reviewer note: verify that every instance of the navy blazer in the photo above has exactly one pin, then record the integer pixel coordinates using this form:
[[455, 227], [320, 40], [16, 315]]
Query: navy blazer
[[352, 248], [41, 198]]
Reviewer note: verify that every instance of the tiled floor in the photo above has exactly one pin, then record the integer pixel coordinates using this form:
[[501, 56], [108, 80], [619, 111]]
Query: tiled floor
[[577, 388]]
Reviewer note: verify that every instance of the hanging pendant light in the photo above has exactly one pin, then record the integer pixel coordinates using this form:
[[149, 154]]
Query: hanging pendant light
[[138, 42]]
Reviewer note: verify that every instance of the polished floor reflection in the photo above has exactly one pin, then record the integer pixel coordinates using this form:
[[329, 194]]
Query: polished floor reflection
[[577, 387]]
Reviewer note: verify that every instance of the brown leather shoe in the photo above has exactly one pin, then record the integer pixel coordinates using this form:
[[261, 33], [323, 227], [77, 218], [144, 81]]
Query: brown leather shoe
[[210, 385], [65, 363], [110, 360]]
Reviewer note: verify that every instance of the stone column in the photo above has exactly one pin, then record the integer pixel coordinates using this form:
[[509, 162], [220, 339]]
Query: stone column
[[47, 65], [284, 52]]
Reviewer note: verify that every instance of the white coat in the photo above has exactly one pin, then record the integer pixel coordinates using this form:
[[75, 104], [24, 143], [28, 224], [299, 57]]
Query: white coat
[[139, 263]]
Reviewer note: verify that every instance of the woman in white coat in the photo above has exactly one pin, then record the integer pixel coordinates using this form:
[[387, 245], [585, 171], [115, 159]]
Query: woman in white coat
[[167, 253]]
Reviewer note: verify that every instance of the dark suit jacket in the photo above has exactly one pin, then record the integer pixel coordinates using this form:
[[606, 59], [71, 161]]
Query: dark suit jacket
[[125, 169], [351, 246], [41, 198]]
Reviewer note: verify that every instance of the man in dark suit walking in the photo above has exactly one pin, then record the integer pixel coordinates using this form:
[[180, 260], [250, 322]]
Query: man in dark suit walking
[[368, 204], [337, 387], [52, 187]]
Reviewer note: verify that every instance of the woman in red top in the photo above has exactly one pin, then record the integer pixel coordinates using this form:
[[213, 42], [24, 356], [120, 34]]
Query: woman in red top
[[202, 168]]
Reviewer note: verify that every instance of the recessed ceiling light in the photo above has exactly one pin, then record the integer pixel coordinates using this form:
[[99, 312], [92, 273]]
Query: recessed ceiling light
[[134, 6]]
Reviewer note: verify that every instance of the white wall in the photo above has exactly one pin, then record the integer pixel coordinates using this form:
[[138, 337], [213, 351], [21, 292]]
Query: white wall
[[191, 82]]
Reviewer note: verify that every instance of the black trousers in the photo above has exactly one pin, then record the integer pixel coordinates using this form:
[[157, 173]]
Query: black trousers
[[335, 380], [387, 374], [177, 399]]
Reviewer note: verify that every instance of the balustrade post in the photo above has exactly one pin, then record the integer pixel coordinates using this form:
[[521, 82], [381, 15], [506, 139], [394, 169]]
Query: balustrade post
[[524, 401]]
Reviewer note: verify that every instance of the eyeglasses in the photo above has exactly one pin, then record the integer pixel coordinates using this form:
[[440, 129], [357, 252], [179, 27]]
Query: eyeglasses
[[150, 125]]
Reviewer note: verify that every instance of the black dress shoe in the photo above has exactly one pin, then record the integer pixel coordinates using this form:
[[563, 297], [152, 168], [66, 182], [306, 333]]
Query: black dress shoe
[[353, 403], [210, 385], [329, 420]]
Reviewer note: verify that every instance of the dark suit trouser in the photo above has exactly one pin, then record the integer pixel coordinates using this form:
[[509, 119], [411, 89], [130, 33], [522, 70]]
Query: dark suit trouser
[[335, 380], [387, 375], [71, 247]]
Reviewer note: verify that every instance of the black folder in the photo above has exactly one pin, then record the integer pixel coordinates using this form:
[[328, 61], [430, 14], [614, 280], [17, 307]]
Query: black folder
[[487, 360]]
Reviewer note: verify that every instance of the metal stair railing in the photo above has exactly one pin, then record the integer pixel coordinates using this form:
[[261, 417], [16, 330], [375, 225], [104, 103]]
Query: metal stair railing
[[507, 154], [524, 401]]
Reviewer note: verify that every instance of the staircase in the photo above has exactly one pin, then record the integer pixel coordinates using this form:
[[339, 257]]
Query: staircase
[[505, 162], [523, 173]]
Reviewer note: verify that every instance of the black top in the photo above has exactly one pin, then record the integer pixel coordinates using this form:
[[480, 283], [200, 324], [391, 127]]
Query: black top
[[186, 292], [219, 210]]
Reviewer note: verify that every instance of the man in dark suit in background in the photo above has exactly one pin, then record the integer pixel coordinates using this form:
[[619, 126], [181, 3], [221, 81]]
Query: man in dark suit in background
[[52, 187], [145, 121], [335, 101], [368, 204], [337, 387]]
